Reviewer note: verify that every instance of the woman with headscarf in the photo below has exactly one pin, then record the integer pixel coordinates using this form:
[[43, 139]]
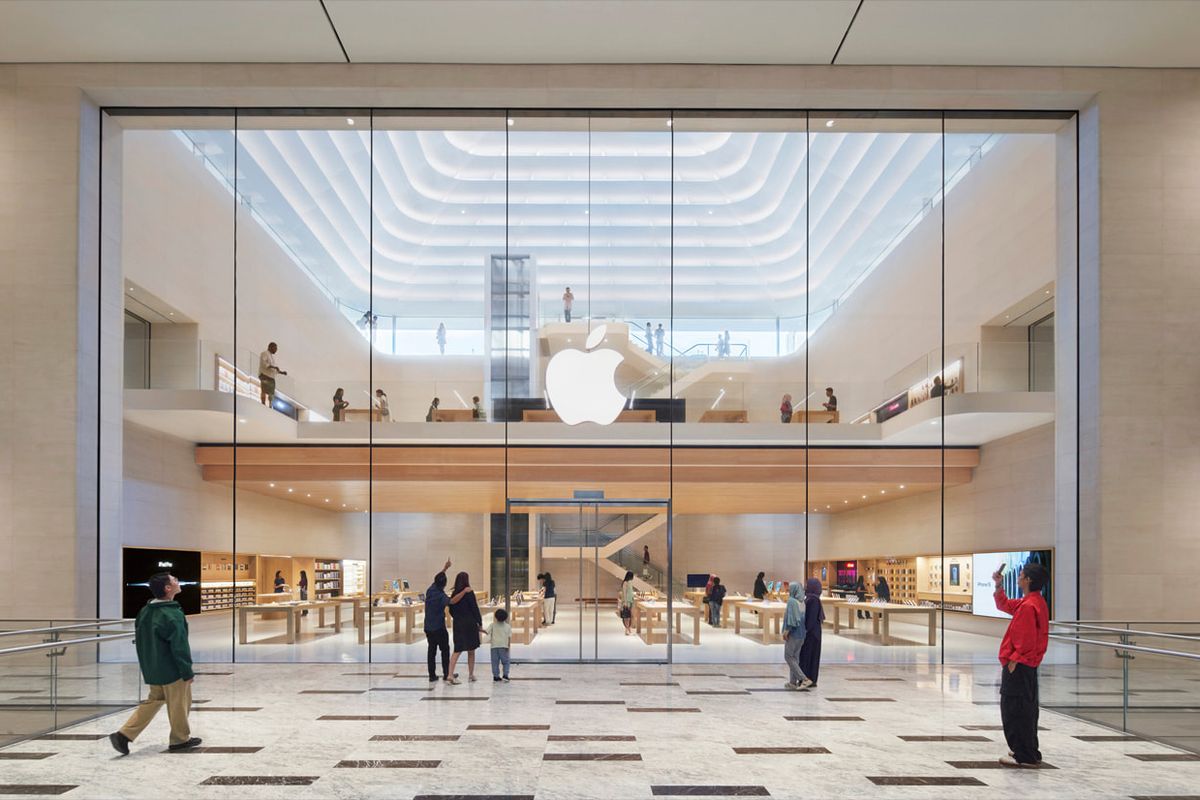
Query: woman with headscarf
[[793, 638], [760, 587], [814, 615]]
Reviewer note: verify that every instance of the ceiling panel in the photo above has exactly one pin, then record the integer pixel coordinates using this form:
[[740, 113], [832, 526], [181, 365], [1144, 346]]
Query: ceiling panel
[[177, 31], [1117, 33], [592, 31]]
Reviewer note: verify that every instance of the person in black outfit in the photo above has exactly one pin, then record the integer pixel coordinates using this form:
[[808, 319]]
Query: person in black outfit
[[280, 583], [715, 598], [760, 586], [468, 624], [860, 589], [882, 590], [830, 403], [938, 389], [436, 635], [549, 599], [814, 615]]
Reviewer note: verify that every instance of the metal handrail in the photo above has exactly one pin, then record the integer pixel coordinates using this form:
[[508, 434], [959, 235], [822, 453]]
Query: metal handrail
[[30, 648], [1129, 647], [57, 628], [1130, 631]]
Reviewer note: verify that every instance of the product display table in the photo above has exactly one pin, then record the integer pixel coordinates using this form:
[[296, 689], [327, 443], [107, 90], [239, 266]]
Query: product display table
[[812, 417], [725, 415], [770, 616], [884, 612], [360, 602], [293, 612], [524, 617], [649, 614], [397, 612]]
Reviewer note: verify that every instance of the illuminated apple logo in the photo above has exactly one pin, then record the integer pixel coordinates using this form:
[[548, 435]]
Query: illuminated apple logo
[[581, 384]]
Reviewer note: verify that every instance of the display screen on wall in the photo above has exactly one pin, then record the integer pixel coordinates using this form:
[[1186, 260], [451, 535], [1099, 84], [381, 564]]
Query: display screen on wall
[[984, 564], [138, 564]]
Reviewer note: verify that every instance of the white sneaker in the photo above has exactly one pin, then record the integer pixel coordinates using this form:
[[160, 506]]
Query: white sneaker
[[804, 684], [792, 686]]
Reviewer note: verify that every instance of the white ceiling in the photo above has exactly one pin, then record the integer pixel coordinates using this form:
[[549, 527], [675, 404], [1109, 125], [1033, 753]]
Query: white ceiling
[[1123, 33]]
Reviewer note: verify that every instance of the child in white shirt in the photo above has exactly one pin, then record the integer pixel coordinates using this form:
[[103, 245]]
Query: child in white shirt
[[500, 634]]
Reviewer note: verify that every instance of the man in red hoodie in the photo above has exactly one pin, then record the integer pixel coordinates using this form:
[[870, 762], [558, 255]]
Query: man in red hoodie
[[1021, 652]]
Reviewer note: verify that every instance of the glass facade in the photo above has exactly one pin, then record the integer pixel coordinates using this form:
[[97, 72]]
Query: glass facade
[[588, 356]]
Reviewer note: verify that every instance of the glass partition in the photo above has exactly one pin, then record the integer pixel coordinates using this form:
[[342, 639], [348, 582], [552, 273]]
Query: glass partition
[[360, 343]]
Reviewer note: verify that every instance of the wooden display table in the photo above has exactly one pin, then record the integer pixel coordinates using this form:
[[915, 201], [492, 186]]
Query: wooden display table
[[293, 612], [453, 415], [649, 614], [730, 415], [814, 417], [550, 415], [770, 617], [884, 612], [525, 619], [397, 612]]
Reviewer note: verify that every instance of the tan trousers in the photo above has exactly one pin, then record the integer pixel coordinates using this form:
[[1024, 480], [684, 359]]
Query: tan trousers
[[177, 697]]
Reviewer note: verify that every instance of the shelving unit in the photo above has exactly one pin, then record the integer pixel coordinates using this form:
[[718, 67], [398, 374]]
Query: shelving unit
[[222, 595], [226, 581], [901, 575], [327, 578], [354, 576]]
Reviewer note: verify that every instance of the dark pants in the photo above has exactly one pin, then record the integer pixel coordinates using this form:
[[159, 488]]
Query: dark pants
[[438, 640], [810, 656], [1019, 712]]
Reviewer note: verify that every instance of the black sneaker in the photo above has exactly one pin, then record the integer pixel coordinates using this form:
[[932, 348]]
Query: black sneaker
[[505, 679], [188, 745], [433, 678], [120, 742], [495, 680]]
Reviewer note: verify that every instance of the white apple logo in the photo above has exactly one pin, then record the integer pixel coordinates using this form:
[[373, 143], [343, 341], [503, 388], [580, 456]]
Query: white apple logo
[[581, 384]]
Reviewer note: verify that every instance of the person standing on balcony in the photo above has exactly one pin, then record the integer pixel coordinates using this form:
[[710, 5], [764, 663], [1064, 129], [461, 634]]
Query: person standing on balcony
[[830, 403], [268, 370], [646, 561], [381, 403], [441, 337], [432, 408], [659, 333], [785, 408], [340, 404], [165, 658], [1021, 653], [649, 339], [568, 301], [477, 412], [938, 389]]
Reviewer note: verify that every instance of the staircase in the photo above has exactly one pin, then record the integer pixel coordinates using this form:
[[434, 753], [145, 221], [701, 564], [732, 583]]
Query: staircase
[[614, 551]]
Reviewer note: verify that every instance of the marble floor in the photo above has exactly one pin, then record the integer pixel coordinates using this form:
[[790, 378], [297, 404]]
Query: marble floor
[[595, 731], [575, 635]]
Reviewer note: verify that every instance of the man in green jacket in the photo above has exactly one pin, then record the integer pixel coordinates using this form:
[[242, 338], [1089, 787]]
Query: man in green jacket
[[161, 636]]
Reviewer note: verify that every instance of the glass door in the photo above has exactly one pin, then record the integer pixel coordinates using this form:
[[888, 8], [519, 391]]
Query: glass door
[[584, 550]]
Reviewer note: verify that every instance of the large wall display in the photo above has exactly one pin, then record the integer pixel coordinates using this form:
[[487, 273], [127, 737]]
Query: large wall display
[[913, 396], [984, 564], [138, 564]]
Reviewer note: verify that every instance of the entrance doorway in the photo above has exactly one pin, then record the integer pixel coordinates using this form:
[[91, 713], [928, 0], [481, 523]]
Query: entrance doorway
[[587, 546]]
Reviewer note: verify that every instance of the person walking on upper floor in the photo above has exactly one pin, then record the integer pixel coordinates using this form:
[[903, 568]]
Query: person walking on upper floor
[[830, 403], [659, 333], [432, 408], [268, 371], [165, 660], [477, 412], [625, 600], [649, 339], [794, 632], [441, 337], [340, 404], [715, 598], [646, 562], [468, 624], [499, 633], [436, 635], [568, 301], [381, 404], [785, 408], [1021, 653], [814, 615]]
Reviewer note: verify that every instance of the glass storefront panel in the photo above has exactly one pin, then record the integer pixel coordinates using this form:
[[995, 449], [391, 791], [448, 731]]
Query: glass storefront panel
[[303, 300], [835, 342]]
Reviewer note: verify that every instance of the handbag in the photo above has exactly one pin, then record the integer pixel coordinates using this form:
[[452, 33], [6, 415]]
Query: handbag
[[626, 612]]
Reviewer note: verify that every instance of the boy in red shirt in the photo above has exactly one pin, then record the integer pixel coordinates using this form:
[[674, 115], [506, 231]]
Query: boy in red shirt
[[1021, 652]]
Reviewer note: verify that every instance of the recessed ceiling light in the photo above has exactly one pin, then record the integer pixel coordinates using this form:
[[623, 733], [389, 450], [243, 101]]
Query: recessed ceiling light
[[462, 211], [829, 506], [272, 485], [170, 313], [242, 421], [290, 491], [1047, 291], [349, 121], [326, 499], [883, 491], [511, 121], [670, 123], [933, 422], [829, 123], [864, 497], [308, 495], [343, 505], [845, 502], [131, 288], [902, 486]]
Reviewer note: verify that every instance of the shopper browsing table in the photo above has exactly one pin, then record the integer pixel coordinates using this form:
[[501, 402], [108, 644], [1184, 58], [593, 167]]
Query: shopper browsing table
[[1021, 653], [830, 403], [785, 408], [625, 601], [165, 658], [715, 598], [436, 635], [549, 598]]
